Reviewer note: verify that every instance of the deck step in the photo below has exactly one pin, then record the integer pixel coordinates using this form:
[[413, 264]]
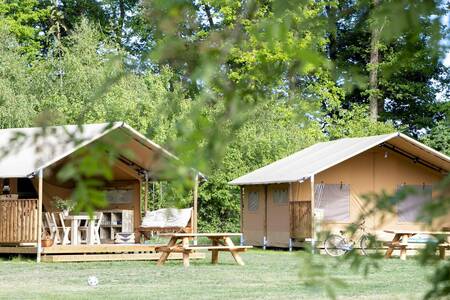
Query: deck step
[[102, 248], [113, 257]]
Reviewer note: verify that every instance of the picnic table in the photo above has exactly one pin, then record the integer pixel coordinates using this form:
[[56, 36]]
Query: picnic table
[[180, 242], [401, 237], [75, 224]]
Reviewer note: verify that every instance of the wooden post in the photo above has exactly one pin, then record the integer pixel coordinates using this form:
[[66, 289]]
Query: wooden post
[[39, 214], [241, 215], [313, 227], [265, 217], [153, 195], [146, 192], [195, 206], [291, 221]]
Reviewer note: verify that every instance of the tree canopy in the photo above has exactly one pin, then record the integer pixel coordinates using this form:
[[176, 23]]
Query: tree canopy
[[229, 86]]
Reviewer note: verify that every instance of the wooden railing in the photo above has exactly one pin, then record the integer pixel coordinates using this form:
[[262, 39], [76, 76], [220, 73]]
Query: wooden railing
[[18, 221], [300, 219]]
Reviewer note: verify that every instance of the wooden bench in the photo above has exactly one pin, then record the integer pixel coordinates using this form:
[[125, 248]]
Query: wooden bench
[[220, 248]]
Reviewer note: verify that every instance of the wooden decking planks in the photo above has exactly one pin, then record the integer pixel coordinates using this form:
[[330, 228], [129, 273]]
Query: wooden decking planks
[[114, 257], [18, 250], [103, 248]]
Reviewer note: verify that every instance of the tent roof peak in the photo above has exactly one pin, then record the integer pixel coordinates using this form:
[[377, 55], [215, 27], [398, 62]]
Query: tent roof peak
[[321, 156]]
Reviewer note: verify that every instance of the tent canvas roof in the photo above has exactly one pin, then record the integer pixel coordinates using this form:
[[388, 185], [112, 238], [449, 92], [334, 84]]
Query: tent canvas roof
[[23, 151], [321, 156]]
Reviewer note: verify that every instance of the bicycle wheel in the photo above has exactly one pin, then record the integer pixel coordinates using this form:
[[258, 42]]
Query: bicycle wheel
[[364, 244], [335, 245]]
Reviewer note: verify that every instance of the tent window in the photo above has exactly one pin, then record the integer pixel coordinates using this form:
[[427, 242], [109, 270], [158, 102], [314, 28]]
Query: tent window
[[253, 201], [280, 196], [409, 209], [334, 199]]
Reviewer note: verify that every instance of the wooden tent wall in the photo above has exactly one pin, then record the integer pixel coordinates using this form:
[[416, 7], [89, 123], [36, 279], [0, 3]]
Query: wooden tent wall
[[18, 221], [375, 170], [300, 219]]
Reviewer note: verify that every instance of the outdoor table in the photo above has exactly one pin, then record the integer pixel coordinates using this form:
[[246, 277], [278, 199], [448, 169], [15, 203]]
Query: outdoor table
[[179, 242], [75, 223], [401, 237]]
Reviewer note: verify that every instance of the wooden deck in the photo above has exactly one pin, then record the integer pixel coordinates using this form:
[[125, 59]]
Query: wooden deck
[[103, 248], [104, 252]]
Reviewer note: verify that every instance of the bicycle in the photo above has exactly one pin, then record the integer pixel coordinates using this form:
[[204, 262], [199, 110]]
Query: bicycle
[[337, 245]]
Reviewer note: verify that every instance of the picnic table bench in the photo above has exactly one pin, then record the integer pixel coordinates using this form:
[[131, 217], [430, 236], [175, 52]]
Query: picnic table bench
[[401, 238], [179, 242]]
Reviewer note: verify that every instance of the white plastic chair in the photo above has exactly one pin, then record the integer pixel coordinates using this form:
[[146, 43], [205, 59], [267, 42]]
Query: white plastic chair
[[65, 229], [84, 230], [97, 224], [52, 228]]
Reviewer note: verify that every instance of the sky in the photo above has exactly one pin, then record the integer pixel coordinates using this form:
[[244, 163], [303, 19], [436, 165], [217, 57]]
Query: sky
[[446, 21]]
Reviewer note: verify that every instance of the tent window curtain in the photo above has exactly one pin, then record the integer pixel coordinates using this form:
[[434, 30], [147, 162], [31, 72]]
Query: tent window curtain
[[334, 199], [410, 207], [280, 196], [253, 201]]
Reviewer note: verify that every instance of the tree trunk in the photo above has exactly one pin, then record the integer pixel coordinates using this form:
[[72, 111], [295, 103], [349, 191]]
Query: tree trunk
[[332, 16], [208, 14], [375, 104], [120, 21]]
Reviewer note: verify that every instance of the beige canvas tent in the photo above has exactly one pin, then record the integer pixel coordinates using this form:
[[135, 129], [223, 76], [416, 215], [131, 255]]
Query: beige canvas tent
[[30, 159], [332, 177]]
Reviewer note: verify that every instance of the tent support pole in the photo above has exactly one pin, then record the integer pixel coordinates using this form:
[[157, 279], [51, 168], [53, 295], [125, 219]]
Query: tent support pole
[[265, 217], [291, 221], [153, 195], [39, 215], [313, 225], [195, 206], [241, 191], [146, 192]]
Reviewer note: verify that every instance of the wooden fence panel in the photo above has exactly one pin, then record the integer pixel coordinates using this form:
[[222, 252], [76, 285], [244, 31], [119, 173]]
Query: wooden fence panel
[[18, 221], [300, 219]]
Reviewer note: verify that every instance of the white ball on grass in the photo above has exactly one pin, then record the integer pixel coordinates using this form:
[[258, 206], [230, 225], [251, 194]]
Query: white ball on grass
[[92, 281]]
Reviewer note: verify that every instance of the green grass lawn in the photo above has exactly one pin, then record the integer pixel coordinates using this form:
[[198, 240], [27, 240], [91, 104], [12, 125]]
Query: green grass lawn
[[267, 275]]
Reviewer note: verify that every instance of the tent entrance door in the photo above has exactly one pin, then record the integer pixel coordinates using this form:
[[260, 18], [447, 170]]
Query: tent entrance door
[[300, 219]]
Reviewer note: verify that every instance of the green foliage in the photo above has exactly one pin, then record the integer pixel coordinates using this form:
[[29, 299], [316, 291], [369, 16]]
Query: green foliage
[[17, 102], [410, 67], [229, 86], [24, 19], [64, 204], [439, 137], [273, 132], [354, 122]]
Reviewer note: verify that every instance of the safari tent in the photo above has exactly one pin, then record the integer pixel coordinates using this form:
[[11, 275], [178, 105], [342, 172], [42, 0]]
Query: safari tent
[[31, 159], [332, 177]]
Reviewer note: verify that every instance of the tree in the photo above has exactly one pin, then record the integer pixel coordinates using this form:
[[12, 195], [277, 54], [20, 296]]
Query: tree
[[408, 67], [273, 132], [17, 102], [375, 105], [439, 138], [24, 19]]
